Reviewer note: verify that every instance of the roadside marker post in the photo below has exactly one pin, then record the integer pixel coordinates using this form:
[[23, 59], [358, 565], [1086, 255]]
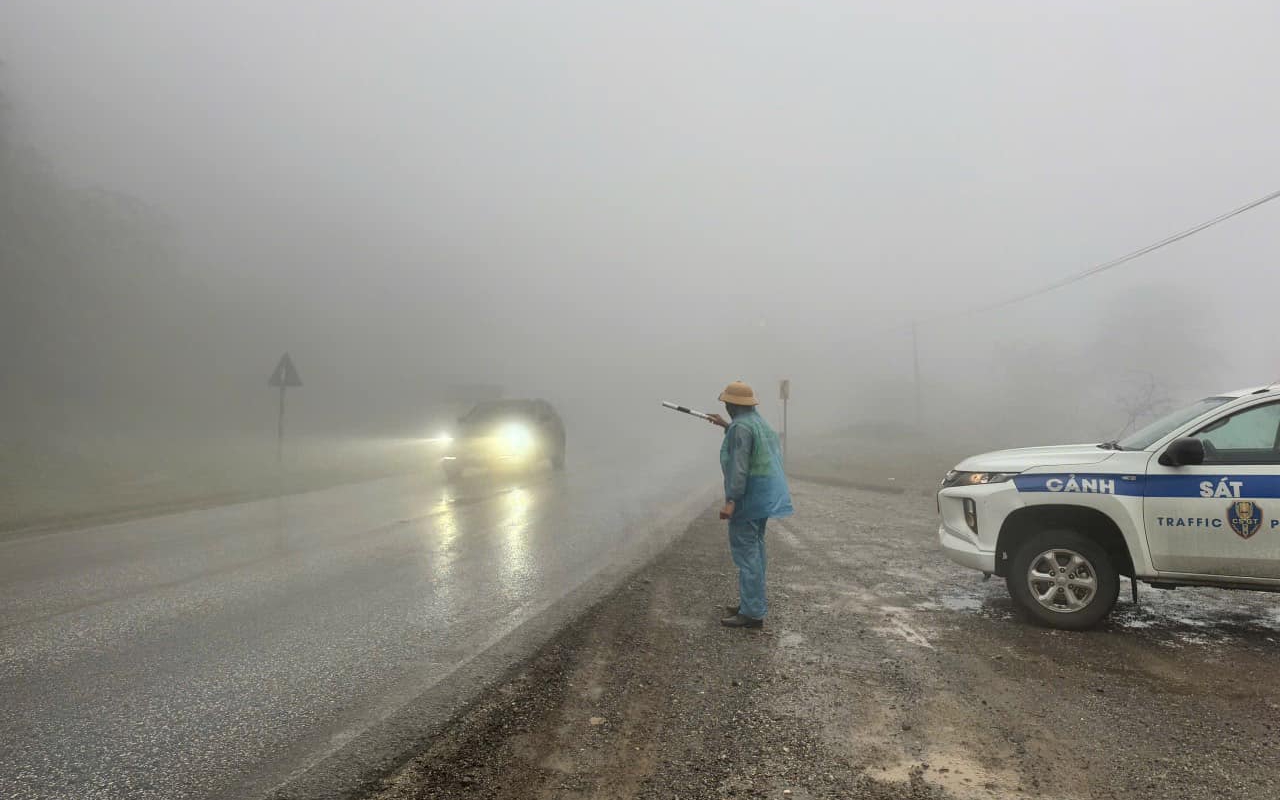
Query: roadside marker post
[[915, 366], [784, 394], [284, 376]]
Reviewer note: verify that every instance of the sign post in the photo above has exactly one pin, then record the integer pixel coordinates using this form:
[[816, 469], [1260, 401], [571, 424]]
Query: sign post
[[784, 394], [282, 378], [915, 366]]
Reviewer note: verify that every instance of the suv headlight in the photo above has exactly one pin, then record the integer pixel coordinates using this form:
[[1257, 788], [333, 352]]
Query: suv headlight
[[957, 478], [518, 437]]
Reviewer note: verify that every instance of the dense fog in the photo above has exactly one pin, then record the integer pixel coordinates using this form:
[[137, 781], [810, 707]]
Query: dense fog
[[610, 205]]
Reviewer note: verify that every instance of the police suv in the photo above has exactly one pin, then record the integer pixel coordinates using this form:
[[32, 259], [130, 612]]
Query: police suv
[[1191, 500]]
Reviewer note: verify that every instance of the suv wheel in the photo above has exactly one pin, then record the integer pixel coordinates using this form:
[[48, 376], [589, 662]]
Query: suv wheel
[[1063, 579]]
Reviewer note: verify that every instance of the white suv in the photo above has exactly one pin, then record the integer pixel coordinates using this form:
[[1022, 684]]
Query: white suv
[[1191, 500]]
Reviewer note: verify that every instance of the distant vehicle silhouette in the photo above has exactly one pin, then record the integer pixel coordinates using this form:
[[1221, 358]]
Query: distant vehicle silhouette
[[505, 433]]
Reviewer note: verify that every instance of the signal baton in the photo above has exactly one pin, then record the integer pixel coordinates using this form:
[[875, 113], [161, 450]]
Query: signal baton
[[686, 410]]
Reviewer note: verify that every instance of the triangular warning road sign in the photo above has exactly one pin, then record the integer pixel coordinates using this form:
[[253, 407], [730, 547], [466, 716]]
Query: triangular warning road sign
[[285, 374]]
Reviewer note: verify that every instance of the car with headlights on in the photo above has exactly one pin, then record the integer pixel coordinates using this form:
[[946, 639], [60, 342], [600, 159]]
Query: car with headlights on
[[1193, 499], [505, 434]]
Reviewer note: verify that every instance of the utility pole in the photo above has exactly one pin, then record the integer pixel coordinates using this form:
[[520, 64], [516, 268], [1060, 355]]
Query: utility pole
[[915, 365]]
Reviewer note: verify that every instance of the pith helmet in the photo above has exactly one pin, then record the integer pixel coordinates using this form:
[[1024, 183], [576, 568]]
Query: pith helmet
[[739, 394]]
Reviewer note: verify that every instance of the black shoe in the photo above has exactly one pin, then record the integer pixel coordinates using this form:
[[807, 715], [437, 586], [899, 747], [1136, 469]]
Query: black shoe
[[731, 610], [740, 621]]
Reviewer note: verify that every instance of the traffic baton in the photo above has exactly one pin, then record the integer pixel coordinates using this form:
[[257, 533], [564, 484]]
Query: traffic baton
[[686, 410]]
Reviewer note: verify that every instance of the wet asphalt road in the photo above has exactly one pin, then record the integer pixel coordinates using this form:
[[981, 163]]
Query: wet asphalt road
[[217, 653], [884, 672]]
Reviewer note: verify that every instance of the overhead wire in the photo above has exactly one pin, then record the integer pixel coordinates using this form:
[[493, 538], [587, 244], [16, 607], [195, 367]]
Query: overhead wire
[[1088, 273]]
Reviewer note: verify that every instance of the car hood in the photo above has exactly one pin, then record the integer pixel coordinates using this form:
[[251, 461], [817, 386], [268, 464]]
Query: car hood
[[1024, 458]]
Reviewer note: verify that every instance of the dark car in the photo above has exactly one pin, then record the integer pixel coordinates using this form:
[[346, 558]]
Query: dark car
[[505, 433]]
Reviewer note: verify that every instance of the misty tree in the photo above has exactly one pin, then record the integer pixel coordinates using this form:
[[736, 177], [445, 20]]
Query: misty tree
[[1142, 358], [90, 292], [1142, 397], [1046, 382]]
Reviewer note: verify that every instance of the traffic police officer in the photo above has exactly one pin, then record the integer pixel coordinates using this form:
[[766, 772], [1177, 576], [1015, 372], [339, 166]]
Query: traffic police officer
[[755, 489]]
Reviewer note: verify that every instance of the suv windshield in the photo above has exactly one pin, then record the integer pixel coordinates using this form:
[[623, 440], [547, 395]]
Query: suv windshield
[[485, 413], [1145, 437]]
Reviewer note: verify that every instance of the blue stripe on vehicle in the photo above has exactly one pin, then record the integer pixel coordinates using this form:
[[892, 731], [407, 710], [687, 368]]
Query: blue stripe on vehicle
[[1213, 486], [1079, 483]]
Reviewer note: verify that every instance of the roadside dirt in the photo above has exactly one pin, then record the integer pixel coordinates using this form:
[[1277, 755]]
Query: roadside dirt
[[883, 672]]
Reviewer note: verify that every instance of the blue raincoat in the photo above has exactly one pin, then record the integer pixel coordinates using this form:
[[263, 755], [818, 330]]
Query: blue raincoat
[[751, 460]]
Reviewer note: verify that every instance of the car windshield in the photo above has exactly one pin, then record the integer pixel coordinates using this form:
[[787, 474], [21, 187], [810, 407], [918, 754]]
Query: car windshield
[[1145, 437], [486, 413]]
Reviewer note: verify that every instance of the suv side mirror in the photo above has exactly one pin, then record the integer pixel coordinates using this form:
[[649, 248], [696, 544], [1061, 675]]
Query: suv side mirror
[[1183, 452]]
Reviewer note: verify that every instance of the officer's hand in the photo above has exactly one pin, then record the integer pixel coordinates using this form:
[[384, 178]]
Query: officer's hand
[[716, 419], [727, 511]]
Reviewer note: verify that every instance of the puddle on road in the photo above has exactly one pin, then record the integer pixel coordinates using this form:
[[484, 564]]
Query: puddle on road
[[961, 603], [981, 602], [1136, 623], [1187, 617], [1190, 617]]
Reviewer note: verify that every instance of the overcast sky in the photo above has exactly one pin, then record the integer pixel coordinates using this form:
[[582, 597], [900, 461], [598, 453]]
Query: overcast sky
[[679, 191]]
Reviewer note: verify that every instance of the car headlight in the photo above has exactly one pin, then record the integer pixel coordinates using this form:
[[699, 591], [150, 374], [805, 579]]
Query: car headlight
[[445, 439], [958, 478], [517, 437]]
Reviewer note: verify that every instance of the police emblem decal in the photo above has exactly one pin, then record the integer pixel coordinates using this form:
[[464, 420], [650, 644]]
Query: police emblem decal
[[1244, 517]]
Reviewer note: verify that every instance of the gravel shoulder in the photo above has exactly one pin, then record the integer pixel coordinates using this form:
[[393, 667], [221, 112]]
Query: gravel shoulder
[[883, 672]]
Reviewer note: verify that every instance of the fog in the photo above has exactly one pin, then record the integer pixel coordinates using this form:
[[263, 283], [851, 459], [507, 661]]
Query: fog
[[610, 205]]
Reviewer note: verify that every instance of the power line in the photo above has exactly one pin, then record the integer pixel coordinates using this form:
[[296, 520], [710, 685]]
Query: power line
[[1088, 273]]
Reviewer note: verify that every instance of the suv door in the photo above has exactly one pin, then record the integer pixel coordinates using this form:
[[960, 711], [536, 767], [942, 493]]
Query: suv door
[[1221, 517]]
